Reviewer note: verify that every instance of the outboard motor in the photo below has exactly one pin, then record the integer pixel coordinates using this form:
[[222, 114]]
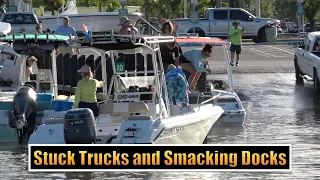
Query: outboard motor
[[24, 112], [79, 126]]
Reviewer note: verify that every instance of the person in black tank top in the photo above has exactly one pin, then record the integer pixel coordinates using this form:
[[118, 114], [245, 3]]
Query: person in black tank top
[[168, 49]]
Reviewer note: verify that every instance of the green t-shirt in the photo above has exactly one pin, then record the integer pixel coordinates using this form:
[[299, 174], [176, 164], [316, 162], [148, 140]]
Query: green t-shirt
[[236, 39]]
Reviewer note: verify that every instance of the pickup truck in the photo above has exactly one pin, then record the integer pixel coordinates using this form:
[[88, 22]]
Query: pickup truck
[[20, 21], [307, 60], [215, 23]]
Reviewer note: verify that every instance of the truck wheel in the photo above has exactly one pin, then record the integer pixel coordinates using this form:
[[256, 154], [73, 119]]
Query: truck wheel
[[316, 83], [255, 39], [299, 79], [197, 30], [262, 35]]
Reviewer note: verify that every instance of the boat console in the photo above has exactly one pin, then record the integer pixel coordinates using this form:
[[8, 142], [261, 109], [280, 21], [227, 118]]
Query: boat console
[[42, 81]]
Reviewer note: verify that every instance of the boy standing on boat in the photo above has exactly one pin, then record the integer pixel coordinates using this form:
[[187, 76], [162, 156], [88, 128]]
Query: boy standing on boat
[[235, 34]]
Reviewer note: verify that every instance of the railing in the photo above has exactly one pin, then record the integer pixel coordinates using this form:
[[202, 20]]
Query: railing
[[211, 99], [187, 35]]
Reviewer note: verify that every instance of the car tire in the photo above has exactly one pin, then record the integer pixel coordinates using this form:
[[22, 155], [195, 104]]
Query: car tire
[[299, 79], [262, 35], [199, 31], [316, 83], [255, 39]]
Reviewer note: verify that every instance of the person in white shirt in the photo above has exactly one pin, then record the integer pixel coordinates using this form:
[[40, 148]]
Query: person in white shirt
[[30, 67]]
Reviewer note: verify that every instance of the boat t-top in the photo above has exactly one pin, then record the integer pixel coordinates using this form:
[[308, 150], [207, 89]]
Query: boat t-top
[[234, 113]]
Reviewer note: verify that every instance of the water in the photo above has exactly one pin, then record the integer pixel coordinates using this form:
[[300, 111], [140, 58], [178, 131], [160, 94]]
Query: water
[[278, 112]]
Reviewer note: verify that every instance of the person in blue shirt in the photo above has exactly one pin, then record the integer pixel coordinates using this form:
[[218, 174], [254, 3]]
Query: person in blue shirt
[[194, 62], [66, 30], [177, 86]]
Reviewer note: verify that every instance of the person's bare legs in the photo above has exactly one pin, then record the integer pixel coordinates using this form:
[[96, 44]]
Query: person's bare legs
[[190, 68], [238, 56], [195, 79], [232, 57]]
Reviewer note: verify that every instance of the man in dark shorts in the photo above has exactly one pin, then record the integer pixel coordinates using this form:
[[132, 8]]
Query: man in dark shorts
[[235, 34]]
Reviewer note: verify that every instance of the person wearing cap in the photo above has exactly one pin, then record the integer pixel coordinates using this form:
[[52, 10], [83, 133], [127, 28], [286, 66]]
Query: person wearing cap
[[66, 30], [235, 34], [85, 95], [127, 27], [30, 68], [177, 86], [194, 62]]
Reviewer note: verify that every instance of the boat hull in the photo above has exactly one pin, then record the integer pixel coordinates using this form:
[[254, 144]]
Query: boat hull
[[190, 128]]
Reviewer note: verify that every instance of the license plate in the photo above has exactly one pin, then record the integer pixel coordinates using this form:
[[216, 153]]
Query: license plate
[[77, 122]]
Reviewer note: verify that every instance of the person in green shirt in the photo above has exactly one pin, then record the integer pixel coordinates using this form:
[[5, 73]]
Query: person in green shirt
[[85, 95], [235, 34]]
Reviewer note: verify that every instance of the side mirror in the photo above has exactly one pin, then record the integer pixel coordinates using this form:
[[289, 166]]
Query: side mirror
[[40, 22], [250, 18]]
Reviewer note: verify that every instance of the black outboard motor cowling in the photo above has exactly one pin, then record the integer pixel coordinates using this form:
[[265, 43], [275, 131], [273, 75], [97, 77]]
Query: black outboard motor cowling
[[79, 126], [24, 112]]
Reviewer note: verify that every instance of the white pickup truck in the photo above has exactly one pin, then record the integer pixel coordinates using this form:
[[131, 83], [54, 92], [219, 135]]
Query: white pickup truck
[[215, 23], [307, 60]]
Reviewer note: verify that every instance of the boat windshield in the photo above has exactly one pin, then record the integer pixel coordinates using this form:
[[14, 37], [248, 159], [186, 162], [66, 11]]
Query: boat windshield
[[141, 81]]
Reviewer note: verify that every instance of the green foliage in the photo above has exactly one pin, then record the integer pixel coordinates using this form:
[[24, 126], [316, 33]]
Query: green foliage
[[53, 6]]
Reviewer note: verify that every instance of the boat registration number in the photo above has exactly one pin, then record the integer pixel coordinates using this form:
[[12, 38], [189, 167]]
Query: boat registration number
[[173, 130], [76, 122]]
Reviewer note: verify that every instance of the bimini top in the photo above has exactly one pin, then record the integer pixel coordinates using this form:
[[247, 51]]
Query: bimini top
[[199, 41]]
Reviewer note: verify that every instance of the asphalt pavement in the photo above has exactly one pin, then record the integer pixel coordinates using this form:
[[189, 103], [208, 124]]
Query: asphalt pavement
[[256, 59]]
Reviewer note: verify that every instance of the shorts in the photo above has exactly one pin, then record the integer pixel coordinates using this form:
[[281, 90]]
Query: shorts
[[183, 60], [93, 106], [235, 48]]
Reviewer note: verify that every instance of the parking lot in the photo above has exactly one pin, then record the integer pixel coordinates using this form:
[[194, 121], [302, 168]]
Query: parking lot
[[256, 59]]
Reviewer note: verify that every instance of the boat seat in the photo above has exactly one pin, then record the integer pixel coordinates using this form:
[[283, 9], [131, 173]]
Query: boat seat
[[140, 118], [130, 107], [54, 121]]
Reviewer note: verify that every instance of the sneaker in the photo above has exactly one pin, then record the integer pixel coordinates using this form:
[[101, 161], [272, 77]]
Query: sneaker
[[237, 64], [231, 63]]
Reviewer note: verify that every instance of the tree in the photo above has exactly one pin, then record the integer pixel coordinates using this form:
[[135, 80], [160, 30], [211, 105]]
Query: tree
[[311, 10], [286, 9]]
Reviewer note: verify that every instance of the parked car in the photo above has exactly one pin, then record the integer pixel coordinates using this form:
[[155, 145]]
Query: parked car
[[289, 27], [215, 23], [20, 21], [307, 60]]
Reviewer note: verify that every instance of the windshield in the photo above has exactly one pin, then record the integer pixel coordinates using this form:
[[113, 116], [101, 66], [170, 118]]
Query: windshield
[[19, 19], [124, 83]]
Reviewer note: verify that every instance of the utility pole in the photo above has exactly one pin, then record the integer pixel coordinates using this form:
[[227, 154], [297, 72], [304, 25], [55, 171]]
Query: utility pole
[[185, 9], [242, 4], [300, 13], [257, 8], [194, 14], [218, 3]]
